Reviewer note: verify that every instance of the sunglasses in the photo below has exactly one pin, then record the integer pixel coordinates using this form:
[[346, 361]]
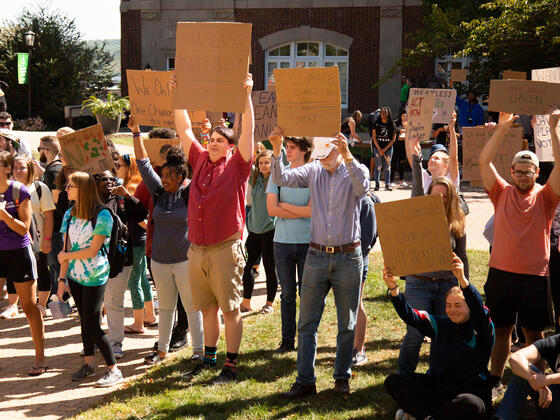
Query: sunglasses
[[5, 123]]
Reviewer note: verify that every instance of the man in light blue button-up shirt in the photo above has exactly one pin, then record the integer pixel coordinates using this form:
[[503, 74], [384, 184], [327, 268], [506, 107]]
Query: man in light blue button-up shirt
[[337, 184]]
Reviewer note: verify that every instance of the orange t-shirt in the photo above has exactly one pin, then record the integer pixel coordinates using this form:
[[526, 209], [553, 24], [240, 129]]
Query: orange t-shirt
[[522, 228]]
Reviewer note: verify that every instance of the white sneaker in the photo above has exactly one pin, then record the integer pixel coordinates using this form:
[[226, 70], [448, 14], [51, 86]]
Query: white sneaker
[[117, 351], [10, 312], [111, 377], [359, 358]]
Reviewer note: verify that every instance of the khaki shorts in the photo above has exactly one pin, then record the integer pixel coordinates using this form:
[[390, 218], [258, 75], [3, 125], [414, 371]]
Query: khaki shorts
[[216, 274]]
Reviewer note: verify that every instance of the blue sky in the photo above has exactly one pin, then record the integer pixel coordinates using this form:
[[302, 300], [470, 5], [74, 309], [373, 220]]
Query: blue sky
[[99, 19]]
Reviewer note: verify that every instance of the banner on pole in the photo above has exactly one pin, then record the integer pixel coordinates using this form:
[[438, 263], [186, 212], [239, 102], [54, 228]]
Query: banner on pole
[[22, 66]]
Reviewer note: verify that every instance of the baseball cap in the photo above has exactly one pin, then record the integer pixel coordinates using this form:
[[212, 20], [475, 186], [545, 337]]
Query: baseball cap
[[525, 156], [438, 148], [7, 133]]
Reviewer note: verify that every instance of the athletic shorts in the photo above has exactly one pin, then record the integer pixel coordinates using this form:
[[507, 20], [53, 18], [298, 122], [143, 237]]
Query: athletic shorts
[[215, 274], [526, 295], [18, 265]]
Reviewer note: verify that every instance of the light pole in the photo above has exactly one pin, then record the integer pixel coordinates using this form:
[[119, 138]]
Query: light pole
[[29, 38]]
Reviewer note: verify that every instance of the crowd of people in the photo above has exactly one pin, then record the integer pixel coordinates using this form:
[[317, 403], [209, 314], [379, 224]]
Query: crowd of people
[[312, 222]]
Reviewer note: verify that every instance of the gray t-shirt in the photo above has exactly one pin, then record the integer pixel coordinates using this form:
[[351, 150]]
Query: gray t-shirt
[[169, 243]]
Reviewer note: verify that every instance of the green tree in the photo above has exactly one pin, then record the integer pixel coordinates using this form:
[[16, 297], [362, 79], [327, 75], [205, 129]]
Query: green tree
[[498, 35], [64, 69]]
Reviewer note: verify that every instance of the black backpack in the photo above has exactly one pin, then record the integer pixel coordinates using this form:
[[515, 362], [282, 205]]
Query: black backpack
[[118, 244]]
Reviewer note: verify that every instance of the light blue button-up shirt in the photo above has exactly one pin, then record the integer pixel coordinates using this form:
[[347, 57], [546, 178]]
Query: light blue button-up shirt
[[335, 198]]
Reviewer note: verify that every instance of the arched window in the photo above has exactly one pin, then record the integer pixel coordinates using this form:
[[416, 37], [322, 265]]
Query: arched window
[[300, 54]]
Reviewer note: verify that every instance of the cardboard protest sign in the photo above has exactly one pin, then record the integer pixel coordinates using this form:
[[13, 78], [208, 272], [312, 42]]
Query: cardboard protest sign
[[419, 112], [86, 150], [322, 147], [514, 75], [266, 117], [444, 103], [153, 146], [522, 96], [459, 75], [474, 138], [150, 97], [543, 146], [414, 235], [211, 62], [308, 101]]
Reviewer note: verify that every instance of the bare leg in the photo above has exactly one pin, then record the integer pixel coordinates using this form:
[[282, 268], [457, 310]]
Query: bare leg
[[500, 352], [234, 330], [149, 314], [211, 326], [27, 293], [361, 324], [43, 298]]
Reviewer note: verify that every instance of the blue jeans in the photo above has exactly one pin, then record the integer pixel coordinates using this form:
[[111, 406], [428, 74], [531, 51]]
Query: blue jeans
[[288, 258], [382, 162], [424, 295], [516, 397], [342, 272]]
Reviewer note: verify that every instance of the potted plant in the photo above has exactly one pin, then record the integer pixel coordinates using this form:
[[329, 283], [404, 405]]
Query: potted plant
[[108, 113]]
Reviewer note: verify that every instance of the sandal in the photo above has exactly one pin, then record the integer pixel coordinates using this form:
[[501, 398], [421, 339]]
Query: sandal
[[153, 358], [267, 309], [150, 324], [129, 330], [37, 370]]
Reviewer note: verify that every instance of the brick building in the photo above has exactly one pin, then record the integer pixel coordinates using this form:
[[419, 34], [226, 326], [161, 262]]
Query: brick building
[[362, 37]]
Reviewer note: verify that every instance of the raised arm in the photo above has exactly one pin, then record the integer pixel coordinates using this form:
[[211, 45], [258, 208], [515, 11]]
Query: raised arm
[[453, 149], [554, 178], [416, 165], [139, 149], [487, 169], [246, 144], [297, 178], [352, 126], [359, 176], [183, 123]]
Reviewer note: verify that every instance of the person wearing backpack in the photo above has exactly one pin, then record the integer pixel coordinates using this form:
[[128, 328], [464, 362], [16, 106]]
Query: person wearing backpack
[[84, 270], [17, 262], [41, 227], [129, 211], [170, 243]]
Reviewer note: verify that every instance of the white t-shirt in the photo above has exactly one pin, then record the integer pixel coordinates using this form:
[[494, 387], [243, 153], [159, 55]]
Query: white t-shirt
[[40, 207], [427, 180]]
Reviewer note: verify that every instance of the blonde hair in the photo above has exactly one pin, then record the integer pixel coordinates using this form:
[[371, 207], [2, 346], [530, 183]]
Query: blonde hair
[[88, 197], [63, 131], [31, 176], [453, 212]]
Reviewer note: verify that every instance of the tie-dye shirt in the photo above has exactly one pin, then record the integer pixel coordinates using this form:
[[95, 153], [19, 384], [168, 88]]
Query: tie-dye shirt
[[90, 271]]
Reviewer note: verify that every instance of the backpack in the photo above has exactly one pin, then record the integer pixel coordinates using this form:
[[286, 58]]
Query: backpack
[[33, 227], [118, 243]]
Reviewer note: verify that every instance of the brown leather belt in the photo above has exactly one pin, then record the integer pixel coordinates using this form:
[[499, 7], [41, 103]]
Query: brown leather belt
[[335, 249]]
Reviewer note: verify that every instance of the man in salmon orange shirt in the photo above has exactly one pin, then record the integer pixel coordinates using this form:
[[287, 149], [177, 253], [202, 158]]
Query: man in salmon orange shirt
[[517, 282]]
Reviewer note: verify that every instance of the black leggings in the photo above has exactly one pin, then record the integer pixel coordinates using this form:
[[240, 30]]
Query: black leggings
[[257, 244], [88, 301], [417, 395], [398, 160]]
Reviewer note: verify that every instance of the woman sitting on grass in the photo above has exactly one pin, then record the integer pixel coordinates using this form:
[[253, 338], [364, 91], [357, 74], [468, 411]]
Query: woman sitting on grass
[[456, 386]]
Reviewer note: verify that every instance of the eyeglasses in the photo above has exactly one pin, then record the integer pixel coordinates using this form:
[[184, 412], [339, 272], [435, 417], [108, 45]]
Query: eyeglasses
[[41, 148], [68, 186], [118, 165], [5, 123], [527, 174]]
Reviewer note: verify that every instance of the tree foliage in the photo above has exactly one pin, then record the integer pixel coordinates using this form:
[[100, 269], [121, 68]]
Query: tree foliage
[[497, 35], [64, 69]]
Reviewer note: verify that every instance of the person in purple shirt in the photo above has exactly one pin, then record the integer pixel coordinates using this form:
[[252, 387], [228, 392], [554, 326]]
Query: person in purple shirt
[[336, 184], [15, 246]]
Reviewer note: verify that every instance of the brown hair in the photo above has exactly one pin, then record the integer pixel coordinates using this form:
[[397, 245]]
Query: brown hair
[[304, 144], [133, 177], [453, 211], [225, 132], [455, 290], [256, 169], [7, 160], [30, 168], [88, 197], [52, 144]]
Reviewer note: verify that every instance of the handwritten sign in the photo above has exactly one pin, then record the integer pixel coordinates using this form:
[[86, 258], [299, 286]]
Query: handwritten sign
[[459, 75], [543, 145], [514, 75], [414, 235], [522, 96], [444, 103], [86, 150], [150, 98], [211, 62], [266, 118], [308, 101], [420, 111], [474, 138], [153, 147]]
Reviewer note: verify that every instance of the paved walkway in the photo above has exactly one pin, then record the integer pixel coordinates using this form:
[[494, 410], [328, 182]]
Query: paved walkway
[[54, 395]]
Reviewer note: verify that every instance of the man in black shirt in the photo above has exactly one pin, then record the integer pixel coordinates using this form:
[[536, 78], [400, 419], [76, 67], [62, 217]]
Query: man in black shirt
[[49, 155]]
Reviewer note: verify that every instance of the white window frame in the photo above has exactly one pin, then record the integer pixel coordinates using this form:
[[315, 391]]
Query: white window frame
[[320, 59]]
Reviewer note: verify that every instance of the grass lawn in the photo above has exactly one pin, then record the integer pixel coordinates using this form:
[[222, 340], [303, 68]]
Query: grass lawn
[[123, 138], [162, 393]]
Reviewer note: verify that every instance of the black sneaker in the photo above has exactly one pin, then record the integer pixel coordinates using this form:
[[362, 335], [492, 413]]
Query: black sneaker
[[226, 376], [376, 188], [198, 369], [85, 371], [285, 347], [299, 391], [178, 341], [388, 188]]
